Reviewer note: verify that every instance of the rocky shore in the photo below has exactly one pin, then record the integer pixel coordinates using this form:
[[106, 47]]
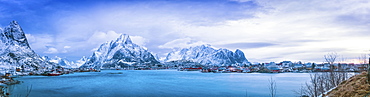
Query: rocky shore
[[7, 78], [5, 81]]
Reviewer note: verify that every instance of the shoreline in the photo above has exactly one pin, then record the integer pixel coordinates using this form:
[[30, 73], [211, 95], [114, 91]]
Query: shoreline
[[170, 78], [3, 93]]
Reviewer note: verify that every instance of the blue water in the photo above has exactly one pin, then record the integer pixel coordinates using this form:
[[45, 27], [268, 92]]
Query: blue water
[[118, 83]]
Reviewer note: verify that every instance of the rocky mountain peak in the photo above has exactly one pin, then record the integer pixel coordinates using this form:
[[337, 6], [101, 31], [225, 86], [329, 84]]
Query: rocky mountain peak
[[121, 52], [15, 34], [124, 38], [16, 52], [14, 23]]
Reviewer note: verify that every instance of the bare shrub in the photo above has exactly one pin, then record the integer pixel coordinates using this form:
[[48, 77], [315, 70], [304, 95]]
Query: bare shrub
[[324, 81], [272, 87]]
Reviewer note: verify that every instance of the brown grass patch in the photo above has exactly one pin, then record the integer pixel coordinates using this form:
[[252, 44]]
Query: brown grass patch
[[356, 86]]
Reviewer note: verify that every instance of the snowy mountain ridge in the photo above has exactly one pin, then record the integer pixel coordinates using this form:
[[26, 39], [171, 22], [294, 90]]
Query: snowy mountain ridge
[[207, 55], [120, 52], [65, 63], [16, 52]]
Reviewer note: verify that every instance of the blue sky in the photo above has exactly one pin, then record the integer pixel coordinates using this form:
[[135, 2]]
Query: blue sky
[[265, 30]]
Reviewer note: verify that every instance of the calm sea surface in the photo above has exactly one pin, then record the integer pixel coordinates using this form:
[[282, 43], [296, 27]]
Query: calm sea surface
[[118, 83]]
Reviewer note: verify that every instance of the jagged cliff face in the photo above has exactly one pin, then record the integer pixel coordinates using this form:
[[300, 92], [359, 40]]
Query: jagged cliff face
[[14, 35], [15, 50], [206, 55], [121, 52]]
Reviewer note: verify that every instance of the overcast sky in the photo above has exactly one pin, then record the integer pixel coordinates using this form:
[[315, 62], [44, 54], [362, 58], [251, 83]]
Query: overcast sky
[[265, 30]]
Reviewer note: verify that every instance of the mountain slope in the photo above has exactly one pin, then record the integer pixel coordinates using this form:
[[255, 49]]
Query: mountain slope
[[206, 55], [121, 52], [80, 62], [16, 52], [65, 63]]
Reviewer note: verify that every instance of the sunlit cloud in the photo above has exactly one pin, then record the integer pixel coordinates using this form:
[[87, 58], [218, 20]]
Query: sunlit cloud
[[51, 50], [247, 45], [101, 37], [181, 43], [141, 41], [265, 30], [39, 42]]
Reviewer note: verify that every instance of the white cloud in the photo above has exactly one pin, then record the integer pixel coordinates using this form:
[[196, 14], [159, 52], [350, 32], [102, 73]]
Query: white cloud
[[30, 38], [181, 43], [141, 41], [288, 23], [335, 24], [98, 38], [51, 50], [67, 47], [39, 41], [102, 37], [241, 0]]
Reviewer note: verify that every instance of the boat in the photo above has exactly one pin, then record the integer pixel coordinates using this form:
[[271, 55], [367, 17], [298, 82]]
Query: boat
[[53, 74], [191, 69]]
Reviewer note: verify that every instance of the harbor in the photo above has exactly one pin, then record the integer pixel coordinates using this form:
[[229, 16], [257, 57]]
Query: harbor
[[113, 83]]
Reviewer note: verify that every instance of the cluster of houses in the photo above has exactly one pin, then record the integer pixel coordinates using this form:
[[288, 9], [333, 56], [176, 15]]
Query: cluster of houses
[[288, 66], [12, 73], [272, 67], [7, 75]]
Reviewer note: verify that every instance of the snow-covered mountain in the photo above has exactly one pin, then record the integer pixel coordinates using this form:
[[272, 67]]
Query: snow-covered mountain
[[207, 55], [121, 52], [16, 52], [80, 62], [65, 63]]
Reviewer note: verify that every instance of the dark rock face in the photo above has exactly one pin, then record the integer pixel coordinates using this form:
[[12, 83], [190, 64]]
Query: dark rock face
[[15, 35]]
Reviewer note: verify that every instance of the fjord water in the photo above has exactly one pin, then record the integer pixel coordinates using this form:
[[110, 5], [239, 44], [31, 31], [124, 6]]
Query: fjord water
[[118, 83]]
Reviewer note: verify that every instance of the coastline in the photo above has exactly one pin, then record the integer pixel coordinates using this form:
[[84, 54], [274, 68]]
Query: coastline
[[166, 82], [89, 70]]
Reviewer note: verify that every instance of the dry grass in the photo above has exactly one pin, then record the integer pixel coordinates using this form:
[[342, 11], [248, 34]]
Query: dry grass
[[356, 86]]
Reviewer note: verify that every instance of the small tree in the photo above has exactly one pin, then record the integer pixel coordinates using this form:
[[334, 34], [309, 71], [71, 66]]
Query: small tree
[[362, 58], [368, 72], [313, 85], [301, 92], [272, 87], [313, 66], [331, 57], [324, 81]]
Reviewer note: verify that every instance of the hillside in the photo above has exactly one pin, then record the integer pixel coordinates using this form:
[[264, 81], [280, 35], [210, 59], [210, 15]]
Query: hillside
[[356, 86], [207, 55]]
